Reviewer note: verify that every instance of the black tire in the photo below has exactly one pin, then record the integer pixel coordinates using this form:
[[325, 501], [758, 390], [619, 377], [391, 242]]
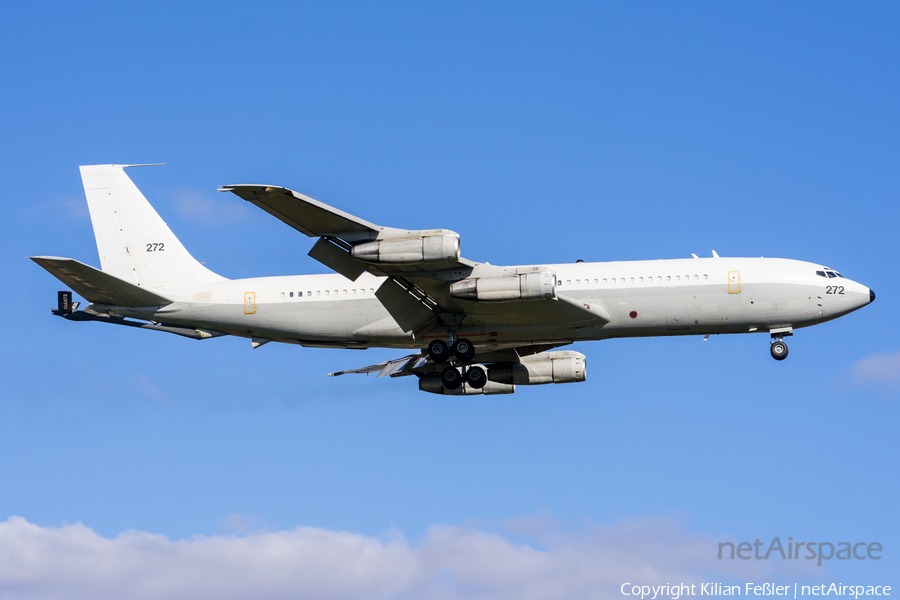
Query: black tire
[[439, 351], [779, 350], [451, 378], [464, 349], [476, 377]]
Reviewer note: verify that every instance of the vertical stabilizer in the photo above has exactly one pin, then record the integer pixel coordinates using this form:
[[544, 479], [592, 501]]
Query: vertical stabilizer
[[133, 241]]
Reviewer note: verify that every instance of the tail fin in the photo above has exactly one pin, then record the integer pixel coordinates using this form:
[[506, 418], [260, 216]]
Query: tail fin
[[133, 241]]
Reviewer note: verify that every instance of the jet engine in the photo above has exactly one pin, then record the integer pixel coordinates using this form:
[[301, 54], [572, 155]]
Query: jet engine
[[525, 286], [433, 384], [546, 367], [437, 247]]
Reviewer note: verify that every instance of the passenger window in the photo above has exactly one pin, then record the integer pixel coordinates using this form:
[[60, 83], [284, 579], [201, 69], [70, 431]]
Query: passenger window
[[326, 292], [668, 278], [704, 276], [604, 280], [641, 280], [678, 278], [632, 280], [577, 282], [696, 277], [345, 292], [291, 294], [299, 294], [282, 294], [371, 291], [318, 292], [568, 282]]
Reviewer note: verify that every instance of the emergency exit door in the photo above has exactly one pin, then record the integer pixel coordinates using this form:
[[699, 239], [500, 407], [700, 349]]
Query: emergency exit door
[[249, 303]]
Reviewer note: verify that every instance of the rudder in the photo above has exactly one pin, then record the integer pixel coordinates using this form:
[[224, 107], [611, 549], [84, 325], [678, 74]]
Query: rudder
[[133, 241]]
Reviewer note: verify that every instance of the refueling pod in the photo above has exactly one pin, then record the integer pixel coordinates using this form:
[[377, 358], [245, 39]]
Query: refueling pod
[[564, 366]]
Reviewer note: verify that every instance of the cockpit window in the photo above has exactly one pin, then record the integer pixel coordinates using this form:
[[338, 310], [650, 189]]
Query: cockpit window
[[820, 273], [839, 275], [830, 274]]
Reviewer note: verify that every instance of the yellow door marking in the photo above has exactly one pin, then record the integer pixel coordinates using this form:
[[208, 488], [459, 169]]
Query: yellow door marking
[[249, 303], [734, 282]]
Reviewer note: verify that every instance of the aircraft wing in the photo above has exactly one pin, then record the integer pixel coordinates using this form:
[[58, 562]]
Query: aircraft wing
[[305, 214], [419, 289]]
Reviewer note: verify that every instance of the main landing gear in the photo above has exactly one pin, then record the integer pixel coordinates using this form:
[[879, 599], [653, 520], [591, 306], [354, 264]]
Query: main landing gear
[[463, 349], [475, 376]]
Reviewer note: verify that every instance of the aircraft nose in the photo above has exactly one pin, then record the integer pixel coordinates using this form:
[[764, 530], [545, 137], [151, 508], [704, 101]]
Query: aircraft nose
[[871, 296]]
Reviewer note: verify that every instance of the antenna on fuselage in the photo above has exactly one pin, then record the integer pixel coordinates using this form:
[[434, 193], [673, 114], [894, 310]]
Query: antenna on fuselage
[[715, 254]]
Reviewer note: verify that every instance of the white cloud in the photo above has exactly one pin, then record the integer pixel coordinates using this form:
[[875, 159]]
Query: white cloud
[[878, 369], [451, 562]]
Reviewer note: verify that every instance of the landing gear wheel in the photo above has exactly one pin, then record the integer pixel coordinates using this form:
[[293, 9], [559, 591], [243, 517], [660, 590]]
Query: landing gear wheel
[[476, 377], [439, 351], [464, 349], [451, 378], [779, 350]]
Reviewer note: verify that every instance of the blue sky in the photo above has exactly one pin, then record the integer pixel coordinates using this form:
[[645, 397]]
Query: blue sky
[[540, 133]]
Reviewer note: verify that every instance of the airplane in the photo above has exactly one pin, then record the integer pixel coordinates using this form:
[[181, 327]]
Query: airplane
[[474, 328]]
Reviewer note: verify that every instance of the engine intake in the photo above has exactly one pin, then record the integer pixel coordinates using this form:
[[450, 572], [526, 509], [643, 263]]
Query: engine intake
[[426, 248], [526, 286], [547, 367]]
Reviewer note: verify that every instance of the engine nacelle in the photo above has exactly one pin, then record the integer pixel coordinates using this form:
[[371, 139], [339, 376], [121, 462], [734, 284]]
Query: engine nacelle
[[546, 367], [526, 286], [433, 385], [442, 247]]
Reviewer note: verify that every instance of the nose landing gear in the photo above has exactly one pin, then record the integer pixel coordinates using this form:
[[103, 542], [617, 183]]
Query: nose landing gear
[[779, 348]]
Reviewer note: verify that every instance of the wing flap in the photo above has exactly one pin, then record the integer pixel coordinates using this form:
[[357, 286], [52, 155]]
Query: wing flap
[[388, 367], [96, 286]]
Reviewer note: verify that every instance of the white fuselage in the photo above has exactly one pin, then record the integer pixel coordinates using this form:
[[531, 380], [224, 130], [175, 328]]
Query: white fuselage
[[642, 298]]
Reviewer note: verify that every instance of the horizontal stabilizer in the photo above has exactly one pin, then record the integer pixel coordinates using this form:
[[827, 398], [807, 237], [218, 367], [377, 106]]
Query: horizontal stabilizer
[[96, 286]]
